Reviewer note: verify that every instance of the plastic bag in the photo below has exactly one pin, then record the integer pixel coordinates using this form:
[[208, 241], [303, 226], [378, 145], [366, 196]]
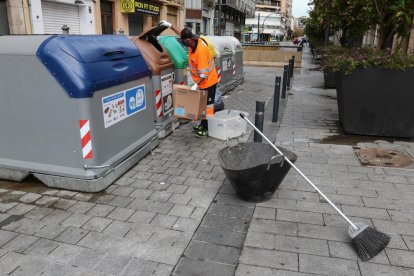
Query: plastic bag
[[218, 101]]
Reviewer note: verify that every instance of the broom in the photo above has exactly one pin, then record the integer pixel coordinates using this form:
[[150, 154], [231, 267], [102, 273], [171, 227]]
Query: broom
[[368, 241]]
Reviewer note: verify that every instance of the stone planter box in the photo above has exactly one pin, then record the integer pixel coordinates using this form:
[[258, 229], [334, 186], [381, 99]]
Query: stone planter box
[[376, 101], [329, 78]]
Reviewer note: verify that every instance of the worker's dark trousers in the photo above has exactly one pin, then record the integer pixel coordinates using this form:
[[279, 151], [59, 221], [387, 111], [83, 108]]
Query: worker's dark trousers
[[210, 101]]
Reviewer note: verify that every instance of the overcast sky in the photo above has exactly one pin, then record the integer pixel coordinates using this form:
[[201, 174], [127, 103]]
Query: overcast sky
[[300, 8]]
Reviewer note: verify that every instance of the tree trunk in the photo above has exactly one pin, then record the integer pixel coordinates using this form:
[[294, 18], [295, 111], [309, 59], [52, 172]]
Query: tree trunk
[[404, 45], [380, 38], [388, 38], [353, 39], [385, 38], [326, 39]]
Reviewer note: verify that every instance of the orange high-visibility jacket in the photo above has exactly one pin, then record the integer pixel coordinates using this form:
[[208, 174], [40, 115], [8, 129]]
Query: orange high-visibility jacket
[[202, 65]]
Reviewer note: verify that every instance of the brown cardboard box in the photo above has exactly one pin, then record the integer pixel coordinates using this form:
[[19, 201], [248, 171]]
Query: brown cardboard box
[[189, 104]]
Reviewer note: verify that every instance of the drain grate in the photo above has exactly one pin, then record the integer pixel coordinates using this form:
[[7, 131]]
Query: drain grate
[[381, 157]]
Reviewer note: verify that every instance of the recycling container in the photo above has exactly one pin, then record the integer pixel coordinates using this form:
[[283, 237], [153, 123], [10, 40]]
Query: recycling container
[[179, 56], [76, 110], [224, 61], [237, 58], [162, 69], [210, 46]]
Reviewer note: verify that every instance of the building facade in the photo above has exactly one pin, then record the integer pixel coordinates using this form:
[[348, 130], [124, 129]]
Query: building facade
[[269, 23], [199, 15], [203, 16], [299, 22], [129, 17], [233, 14]]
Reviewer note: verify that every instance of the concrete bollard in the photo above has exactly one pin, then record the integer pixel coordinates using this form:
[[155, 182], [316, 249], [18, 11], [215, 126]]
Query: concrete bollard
[[258, 120], [276, 96]]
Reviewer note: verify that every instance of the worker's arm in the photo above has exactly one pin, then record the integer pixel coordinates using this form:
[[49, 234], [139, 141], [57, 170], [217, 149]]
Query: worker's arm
[[195, 85], [169, 25], [176, 30]]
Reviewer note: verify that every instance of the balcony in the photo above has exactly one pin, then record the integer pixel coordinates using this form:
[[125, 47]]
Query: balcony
[[268, 2], [175, 2], [209, 2]]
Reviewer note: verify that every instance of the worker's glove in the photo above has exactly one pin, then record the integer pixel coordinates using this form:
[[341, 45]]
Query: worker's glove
[[165, 23], [194, 86]]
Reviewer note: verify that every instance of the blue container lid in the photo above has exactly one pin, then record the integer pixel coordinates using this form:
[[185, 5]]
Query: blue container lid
[[83, 64]]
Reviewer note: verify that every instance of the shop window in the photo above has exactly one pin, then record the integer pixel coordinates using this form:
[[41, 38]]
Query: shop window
[[4, 24], [106, 17], [172, 18], [155, 20], [135, 23]]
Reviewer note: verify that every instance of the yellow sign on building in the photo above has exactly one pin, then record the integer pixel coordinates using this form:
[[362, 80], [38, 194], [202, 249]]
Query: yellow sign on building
[[146, 7], [127, 6]]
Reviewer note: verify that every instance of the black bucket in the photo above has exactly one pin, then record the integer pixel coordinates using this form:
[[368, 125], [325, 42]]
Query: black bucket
[[255, 170]]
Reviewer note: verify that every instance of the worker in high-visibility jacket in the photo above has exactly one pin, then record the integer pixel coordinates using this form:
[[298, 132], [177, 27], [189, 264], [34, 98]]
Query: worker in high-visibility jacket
[[202, 70]]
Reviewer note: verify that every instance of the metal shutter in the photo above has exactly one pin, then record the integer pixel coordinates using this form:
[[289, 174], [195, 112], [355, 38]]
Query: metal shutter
[[4, 23], [55, 15], [135, 23]]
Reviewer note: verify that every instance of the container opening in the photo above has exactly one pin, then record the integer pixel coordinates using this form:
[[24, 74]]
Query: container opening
[[186, 48], [153, 40]]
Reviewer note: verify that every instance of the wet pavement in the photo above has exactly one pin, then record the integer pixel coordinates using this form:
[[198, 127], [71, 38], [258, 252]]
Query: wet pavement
[[174, 213]]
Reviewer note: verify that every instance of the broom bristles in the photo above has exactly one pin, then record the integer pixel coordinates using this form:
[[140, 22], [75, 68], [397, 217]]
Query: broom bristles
[[370, 242]]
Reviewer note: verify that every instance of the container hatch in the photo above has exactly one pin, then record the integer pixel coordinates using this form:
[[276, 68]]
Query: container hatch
[[177, 53], [221, 44], [155, 31], [88, 63]]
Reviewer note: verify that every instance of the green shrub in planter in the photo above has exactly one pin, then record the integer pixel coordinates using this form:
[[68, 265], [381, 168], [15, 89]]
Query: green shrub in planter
[[328, 57], [375, 92], [329, 78]]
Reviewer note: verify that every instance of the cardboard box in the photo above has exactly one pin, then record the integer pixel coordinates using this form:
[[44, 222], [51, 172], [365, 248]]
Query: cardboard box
[[189, 104]]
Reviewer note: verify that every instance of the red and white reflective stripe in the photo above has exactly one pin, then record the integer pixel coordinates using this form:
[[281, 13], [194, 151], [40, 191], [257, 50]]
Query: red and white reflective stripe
[[158, 102], [219, 73], [85, 134], [234, 69]]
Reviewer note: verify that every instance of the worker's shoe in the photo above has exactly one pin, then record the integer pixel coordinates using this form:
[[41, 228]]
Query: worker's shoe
[[198, 128], [201, 133]]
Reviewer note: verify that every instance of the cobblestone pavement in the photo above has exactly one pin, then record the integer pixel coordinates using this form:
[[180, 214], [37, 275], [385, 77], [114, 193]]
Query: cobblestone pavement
[[297, 232], [174, 213], [159, 214]]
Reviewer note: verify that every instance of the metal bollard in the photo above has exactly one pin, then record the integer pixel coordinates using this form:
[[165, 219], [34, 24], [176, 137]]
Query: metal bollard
[[288, 76], [258, 120], [276, 100], [292, 65], [284, 84]]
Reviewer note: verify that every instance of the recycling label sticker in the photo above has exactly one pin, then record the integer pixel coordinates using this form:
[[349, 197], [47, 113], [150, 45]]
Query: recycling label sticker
[[118, 106], [166, 90], [135, 99]]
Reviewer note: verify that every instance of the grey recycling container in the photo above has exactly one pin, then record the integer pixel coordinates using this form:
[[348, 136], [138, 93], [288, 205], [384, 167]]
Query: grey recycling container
[[224, 62], [75, 111], [237, 58]]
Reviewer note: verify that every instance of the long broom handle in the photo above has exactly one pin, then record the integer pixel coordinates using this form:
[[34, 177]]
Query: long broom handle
[[301, 174]]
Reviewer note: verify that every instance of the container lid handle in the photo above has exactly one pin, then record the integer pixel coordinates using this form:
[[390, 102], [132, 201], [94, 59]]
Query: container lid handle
[[116, 52]]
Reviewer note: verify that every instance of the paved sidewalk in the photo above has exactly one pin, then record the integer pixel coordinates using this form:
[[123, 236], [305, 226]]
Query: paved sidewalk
[[297, 232], [145, 223], [175, 214]]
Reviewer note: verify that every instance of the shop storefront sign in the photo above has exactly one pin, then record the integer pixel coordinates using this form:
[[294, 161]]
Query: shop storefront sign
[[147, 7]]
